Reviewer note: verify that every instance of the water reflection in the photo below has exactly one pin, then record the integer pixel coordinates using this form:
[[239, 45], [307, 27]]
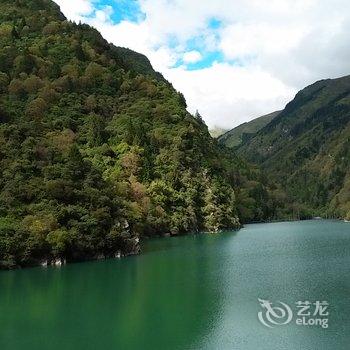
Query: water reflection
[[165, 299], [193, 292]]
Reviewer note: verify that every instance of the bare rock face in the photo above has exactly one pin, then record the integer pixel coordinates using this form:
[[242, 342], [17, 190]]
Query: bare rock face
[[58, 262]]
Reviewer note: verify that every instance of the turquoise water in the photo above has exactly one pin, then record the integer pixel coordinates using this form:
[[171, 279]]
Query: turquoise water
[[193, 292]]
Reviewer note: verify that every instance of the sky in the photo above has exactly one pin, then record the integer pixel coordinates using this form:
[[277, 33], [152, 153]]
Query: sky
[[234, 60]]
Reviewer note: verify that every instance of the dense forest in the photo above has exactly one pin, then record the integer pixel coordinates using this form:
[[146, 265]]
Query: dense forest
[[306, 149], [97, 149]]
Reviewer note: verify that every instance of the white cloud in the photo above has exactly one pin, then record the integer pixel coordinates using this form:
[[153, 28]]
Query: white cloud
[[104, 14], [271, 48], [247, 40], [192, 57], [225, 93], [77, 9]]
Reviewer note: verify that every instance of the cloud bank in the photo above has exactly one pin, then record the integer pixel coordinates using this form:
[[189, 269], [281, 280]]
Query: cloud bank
[[233, 60]]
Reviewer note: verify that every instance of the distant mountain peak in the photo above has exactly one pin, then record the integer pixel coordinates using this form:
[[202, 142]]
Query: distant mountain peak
[[240, 134]]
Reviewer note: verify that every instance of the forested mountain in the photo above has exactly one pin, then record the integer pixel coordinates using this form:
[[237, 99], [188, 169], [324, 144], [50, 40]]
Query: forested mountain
[[240, 134], [306, 148], [97, 149]]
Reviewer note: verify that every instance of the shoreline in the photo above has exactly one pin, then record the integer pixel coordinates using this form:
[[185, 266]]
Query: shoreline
[[59, 262]]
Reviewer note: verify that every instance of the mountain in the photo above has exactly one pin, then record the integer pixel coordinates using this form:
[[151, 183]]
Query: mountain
[[306, 149], [240, 134], [217, 132], [97, 149]]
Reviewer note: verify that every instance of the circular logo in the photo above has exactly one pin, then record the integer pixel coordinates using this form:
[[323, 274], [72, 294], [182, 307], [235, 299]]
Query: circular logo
[[274, 315]]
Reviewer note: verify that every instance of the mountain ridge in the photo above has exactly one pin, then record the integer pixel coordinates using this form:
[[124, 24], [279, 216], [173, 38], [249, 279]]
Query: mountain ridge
[[295, 147], [98, 149], [238, 135]]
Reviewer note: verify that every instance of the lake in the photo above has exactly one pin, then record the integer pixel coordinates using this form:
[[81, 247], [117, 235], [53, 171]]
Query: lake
[[191, 292]]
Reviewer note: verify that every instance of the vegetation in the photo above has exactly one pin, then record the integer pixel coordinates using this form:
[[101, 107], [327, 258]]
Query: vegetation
[[242, 133], [97, 149], [306, 149]]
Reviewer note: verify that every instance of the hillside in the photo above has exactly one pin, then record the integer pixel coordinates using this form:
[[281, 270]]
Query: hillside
[[306, 148], [240, 134], [217, 132], [97, 149]]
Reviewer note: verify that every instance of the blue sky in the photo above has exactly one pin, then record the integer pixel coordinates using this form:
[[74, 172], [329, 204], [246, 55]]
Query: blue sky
[[233, 60], [131, 11], [123, 10]]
